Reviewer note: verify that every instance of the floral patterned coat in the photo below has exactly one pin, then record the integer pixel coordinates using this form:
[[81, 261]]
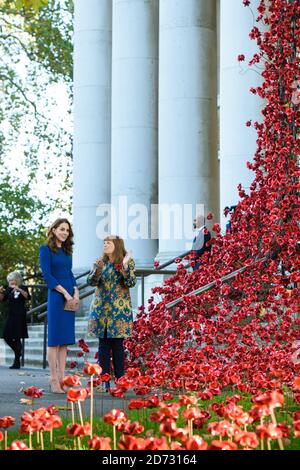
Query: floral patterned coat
[[111, 307]]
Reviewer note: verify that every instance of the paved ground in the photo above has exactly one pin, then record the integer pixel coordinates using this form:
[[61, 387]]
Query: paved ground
[[11, 382]]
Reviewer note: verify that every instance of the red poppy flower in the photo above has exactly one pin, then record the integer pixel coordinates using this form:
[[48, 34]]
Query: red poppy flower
[[132, 428], [170, 410], [244, 419], [54, 422], [258, 411], [118, 266], [71, 381], [105, 377], [167, 396], [270, 431], [168, 427], [195, 443], [192, 413], [152, 402], [79, 430], [125, 382], [223, 428], [136, 404], [296, 416], [297, 428], [83, 345], [100, 443], [128, 442], [206, 395], [187, 400], [241, 57], [181, 434], [296, 384], [133, 372], [233, 411], [115, 417], [6, 422], [155, 443], [284, 428], [218, 408], [73, 364], [144, 380], [52, 410], [247, 439], [274, 399], [92, 369], [143, 390], [223, 445], [33, 392], [76, 394], [117, 392], [18, 445]]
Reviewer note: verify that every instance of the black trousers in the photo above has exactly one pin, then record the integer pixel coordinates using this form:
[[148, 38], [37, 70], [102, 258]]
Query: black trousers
[[116, 346], [15, 345]]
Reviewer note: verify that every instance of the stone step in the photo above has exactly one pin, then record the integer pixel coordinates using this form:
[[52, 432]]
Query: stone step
[[40, 326], [34, 352], [40, 333], [37, 361]]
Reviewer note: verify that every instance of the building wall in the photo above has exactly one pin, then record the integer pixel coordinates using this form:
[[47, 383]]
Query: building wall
[[150, 80]]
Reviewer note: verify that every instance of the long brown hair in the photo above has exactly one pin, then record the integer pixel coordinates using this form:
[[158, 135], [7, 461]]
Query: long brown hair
[[67, 245], [119, 251]]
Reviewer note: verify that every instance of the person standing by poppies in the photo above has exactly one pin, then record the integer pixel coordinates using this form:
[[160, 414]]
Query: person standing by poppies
[[200, 242], [16, 326], [110, 317], [56, 265]]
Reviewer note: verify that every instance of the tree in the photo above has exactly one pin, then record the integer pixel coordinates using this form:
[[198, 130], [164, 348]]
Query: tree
[[36, 51]]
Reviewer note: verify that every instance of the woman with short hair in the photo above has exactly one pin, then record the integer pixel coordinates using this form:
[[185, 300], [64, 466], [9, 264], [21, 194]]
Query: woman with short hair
[[15, 328]]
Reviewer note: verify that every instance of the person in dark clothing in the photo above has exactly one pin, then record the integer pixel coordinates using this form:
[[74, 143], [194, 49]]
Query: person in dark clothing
[[200, 241], [229, 211], [15, 328]]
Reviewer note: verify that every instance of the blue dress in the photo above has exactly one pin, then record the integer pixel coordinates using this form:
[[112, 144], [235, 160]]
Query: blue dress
[[57, 269]]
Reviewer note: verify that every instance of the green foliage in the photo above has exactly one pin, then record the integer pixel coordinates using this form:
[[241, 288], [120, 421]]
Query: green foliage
[[36, 53], [20, 230], [31, 4]]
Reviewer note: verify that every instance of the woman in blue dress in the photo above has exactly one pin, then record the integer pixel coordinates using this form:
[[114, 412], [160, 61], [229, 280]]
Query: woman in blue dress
[[56, 265]]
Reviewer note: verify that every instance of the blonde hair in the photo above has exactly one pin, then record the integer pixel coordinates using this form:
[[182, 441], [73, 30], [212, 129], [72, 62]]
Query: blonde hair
[[15, 276]]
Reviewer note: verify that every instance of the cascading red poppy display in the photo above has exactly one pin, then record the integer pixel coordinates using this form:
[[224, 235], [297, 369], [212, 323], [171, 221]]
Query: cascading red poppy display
[[243, 333]]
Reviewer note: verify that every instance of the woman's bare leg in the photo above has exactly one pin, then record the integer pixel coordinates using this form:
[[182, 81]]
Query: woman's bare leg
[[62, 357], [52, 361]]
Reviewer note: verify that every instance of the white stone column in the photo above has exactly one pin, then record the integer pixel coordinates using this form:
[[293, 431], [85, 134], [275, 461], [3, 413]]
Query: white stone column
[[237, 103], [92, 115], [188, 164], [134, 121]]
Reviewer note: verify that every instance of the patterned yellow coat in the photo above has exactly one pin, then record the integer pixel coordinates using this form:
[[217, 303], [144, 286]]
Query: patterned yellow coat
[[111, 307]]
